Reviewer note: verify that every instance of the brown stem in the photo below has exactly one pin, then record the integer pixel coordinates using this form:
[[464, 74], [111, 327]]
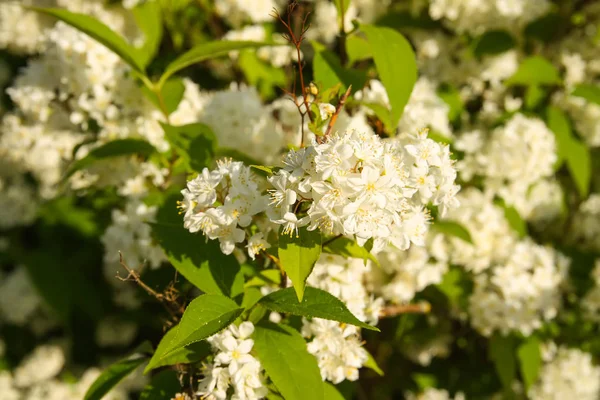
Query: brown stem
[[334, 117], [397, 309]]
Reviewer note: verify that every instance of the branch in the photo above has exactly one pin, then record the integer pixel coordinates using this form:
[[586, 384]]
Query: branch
[[333, 118], [397, 309]]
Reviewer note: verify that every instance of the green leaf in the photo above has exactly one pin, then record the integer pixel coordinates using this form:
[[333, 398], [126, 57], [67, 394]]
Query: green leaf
[[195, 143], [111, 376], [199, 260], [530, 361], [316, 304], [116, 148], [282, 352], [264, 170], [204, 52], [589, 92], [331, 392], [514, 219], [451, 96], [358, 49], [502, 353], [456, 285], [341, 7], [148, 17], [185, 355], [571, 150], [63, 210], [172, 92], [298, 256], [349, 248], [162, 386], [328, 71], [261, 74], [383, 113], [372, 364], [534, 94], [396, 65], [535, 70], [452, 228], [493, 42], [204, 316], [236, 155], [99, 32]]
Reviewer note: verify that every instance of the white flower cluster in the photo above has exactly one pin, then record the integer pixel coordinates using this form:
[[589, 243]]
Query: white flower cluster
[[279, 56], [522, 144], [591, 302], [434, 394], [477, 16], [357, 185], [18, 202], [36, 378], [238, 11], [233, 367], [336, 346], [521, 293], [424, 108], [570, 373], [18, 297], [240, 120], [585, 229], [130, 235], [222, 202]]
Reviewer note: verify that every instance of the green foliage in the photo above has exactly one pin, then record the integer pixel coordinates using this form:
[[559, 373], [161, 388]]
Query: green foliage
[[493, 42], [513, 218], [115, 148], [328, 71], [99, 32], [162, 386], [530, 360], [298, 255], [331, 392], [589, 92], [502, 354], [191, 353], [396, 65], [451, 228], [148, 17], [111, 376], [171, 94], [261, 74], [194, 143], [535, 70], [357, 48], [204, 316], [199, 260], [317, 303], [345, 247], [571, 150], [372, 364], [282, 351], [204, 52]]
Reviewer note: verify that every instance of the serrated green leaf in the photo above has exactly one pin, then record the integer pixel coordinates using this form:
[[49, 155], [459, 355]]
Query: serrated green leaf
[[298, 256], [204, 316], [502, 353], [282, 352], [452, 228], [535, 70], [185, 355], [204, 52], [358, 49], [162, 386], [99, 32], [530, 361], [199, 260], [493, 42], [372, 364], [328, 71], [589, 92], [115, 148], [111, 376], [349, 248], [396, 65], [195, 143], [172, 92], [317, 303], [148, 17]]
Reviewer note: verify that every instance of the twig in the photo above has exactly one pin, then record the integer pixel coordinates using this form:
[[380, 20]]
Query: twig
[[334, 117], [397, 309], [296, 41], [168, 299]]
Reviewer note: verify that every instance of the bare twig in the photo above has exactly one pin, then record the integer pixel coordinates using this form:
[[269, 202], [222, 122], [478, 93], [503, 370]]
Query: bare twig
[[296, 40], [334, 117], [397, 309], [168, 298]]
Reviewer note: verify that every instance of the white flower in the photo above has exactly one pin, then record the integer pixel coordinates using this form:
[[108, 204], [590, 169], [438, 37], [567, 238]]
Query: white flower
[[256, 244]]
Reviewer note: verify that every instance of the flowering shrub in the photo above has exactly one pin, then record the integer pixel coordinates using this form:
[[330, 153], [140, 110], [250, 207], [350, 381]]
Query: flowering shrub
[[321, 199]]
